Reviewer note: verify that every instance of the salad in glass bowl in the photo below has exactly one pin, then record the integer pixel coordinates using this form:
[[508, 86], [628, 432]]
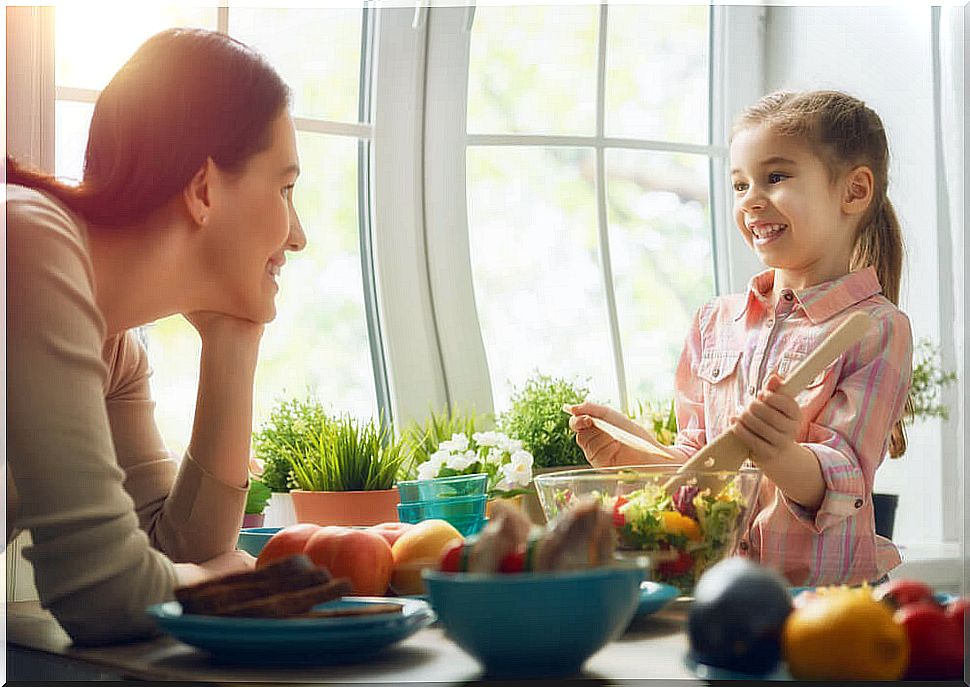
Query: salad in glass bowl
[[682, 528]]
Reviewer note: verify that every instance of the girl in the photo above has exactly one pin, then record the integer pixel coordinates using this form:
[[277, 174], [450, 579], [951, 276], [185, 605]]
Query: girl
[[185, 206], [809, 176]]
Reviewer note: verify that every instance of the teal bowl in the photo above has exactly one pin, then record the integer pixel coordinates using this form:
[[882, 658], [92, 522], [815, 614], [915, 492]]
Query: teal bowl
[[535, 624], [414, 491], [253, 539]]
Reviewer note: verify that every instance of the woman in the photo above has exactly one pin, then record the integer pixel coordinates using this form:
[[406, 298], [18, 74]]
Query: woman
[[185, 206]]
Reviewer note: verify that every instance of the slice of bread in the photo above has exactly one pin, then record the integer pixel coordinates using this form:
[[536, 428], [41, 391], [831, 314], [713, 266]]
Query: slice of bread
[[290, 585]]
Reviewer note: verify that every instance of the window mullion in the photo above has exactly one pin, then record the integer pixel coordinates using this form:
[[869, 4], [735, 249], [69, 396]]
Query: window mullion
[[601, 214]]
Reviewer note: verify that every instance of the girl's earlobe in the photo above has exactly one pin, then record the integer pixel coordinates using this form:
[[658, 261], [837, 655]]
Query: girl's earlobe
[[858, 190]]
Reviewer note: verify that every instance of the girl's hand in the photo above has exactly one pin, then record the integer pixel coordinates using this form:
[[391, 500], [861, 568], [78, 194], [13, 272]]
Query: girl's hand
[[769, 424], [602, 450]]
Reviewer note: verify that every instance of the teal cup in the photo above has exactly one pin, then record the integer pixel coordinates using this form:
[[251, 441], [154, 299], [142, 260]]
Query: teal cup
[[414, 491]]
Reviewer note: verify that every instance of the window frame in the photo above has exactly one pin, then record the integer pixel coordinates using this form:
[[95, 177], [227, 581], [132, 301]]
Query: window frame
[[463, 359]]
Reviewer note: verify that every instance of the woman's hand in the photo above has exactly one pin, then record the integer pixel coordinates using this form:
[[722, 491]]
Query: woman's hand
[[213, 325], [770, 422], [602, 450], [224, 564]]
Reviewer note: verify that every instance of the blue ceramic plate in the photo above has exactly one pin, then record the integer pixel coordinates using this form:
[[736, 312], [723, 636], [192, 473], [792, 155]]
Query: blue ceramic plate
[[296, 640], [706, 672], [654, 596]]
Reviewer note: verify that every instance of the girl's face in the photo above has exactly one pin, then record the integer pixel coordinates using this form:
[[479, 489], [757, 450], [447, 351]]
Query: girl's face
[[787, 207], [256, 225]]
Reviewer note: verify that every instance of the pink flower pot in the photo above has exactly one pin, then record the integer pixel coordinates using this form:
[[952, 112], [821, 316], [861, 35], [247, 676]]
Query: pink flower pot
[[253, 520]]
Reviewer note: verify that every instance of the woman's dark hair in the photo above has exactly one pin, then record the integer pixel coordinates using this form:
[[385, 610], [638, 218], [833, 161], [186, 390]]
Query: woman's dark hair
[[184, 96]]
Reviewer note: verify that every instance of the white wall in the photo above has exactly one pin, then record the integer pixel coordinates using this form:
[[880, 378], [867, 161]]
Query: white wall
[[884, 56]]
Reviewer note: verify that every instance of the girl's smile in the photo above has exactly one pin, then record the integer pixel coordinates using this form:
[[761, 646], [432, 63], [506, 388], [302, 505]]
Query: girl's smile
[[789, 207]]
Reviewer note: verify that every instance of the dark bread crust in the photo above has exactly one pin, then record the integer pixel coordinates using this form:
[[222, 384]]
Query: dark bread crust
[[284, 587]]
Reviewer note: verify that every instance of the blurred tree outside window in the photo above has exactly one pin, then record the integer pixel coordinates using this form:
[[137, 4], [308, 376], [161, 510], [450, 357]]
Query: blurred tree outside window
[[534, 211]]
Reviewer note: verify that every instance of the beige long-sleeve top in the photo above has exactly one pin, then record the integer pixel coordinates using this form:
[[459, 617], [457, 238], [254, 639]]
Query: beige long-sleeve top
[[107, 507]]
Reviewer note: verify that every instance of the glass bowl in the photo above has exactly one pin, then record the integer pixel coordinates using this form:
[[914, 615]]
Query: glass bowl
[[412, 491], [465, 513], [682, 528]]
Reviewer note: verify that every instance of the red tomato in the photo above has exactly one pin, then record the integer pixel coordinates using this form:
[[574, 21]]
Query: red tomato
[[287, 542], [513, 562], [453, 558], [391, 530], [935, 641], [362, 556], [903, 592], [683, 563], [618, 519]]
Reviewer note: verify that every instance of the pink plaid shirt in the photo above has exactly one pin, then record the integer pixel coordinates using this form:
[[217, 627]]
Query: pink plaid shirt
[[848, 412]]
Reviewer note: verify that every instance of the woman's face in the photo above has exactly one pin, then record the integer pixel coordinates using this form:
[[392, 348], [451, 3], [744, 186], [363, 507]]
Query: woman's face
[[254, 224]]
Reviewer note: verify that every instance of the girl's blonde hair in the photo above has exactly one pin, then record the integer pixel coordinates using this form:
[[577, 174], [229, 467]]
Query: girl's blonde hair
[[844, 133]]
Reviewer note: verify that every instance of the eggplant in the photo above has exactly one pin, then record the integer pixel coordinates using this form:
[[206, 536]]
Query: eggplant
[[736, 619]]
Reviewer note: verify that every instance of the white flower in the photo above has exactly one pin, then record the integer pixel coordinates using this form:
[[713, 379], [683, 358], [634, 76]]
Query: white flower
[[300, 425], [503, 485], [428, 470], [439, 457], [457, 444], [521, 457], [514, 445], [486, 439], [495, 456], [460, 461], [519, 471]]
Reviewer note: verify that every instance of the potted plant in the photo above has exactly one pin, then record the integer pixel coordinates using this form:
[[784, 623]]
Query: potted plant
[[929, 380], [284, 431], [535, 417], [256, 499], [505, 461], [422, 440], [345, 470]]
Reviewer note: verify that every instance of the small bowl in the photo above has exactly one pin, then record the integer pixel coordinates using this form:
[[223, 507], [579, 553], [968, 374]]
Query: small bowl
[[680, 543], [535, 624], [465, 513], [413, 491], [253, 539]]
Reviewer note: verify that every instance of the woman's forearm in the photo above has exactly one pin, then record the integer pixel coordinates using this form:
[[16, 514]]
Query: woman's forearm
[[223, 422]]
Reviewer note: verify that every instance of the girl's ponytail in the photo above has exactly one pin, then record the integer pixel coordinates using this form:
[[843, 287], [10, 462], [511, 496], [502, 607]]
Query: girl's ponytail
[[880, 245]]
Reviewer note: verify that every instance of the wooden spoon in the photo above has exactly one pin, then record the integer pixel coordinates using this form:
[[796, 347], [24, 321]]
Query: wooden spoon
[[727, 452]]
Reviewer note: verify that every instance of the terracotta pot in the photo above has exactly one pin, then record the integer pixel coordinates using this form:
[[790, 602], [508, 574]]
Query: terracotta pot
[[279, 511], [515, 501], [253, 520], [346, 507]]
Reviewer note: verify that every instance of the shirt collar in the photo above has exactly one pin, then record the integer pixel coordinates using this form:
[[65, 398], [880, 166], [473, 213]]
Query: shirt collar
[[820, 302]]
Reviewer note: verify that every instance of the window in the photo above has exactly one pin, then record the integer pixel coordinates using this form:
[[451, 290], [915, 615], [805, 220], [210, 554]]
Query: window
[[589, 158], [319, 341]]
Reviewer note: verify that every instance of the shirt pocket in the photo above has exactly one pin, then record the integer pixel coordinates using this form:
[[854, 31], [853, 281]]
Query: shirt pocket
[[716, 366], [790, 360]]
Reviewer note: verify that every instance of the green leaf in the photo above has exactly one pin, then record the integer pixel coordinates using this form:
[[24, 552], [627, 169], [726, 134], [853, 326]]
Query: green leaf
[[257, 497]]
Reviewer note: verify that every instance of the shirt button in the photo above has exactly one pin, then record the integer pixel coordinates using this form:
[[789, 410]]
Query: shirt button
[[789, 296], [771, 323], [751, 390], [858, 503], [716, 372], [743, 545]]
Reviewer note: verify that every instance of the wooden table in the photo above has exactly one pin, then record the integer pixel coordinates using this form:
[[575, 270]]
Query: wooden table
[[38, 649]]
